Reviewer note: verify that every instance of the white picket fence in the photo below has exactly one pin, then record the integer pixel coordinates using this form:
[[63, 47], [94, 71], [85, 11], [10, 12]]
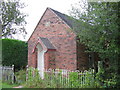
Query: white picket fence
[[7, 73], [66, 78]]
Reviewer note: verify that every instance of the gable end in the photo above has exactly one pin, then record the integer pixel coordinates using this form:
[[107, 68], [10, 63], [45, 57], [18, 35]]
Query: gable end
[[66, 19]]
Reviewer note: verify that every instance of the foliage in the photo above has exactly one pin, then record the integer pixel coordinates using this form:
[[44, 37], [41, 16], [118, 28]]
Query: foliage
[[104, 82], [86, 79], [98, 28], [20, 77], [13, 20], [14, 52], [82, 79], [109, 82], [53, 81], [74, 79], [58, 80], [33, 81], [90, 81]]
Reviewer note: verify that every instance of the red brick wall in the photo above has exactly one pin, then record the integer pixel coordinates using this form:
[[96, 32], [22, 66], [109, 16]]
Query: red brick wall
[[82, 57], [51, 60], [46, 57], [60, 36], [34, 59]]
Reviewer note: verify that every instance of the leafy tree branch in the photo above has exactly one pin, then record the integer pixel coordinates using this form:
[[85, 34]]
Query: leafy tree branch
[[13, 20]]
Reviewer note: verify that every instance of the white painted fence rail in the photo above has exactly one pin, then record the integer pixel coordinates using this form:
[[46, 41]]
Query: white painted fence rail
[[7, 73], [67, 78]]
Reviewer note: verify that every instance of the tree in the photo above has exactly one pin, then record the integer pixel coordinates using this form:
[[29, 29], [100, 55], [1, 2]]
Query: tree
[[13, 20], [14, 52], [98, 28]]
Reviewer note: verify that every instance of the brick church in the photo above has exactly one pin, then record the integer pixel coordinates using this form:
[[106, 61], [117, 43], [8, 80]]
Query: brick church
[[53, 44]]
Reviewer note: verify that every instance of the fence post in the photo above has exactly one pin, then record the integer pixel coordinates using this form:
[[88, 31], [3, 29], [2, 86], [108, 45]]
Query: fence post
[[13, 74], [1, 73]]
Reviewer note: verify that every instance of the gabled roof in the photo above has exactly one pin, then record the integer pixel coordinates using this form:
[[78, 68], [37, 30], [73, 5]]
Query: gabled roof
[[67, 19], [47, 43]]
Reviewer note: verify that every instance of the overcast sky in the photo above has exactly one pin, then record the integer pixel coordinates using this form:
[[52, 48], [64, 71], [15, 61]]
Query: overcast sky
[[36, 8]]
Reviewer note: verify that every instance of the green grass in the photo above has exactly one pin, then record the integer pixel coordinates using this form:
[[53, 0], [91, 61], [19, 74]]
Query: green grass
[[5, 85]]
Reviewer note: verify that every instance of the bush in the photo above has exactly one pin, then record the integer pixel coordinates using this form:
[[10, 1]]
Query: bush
[[33, 82], [20, 77], [14, 52], [74, 80], [106, 80], [52, 80]]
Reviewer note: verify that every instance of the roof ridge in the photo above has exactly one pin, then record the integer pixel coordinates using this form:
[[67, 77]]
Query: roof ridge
[[64, 17], [57, 11]]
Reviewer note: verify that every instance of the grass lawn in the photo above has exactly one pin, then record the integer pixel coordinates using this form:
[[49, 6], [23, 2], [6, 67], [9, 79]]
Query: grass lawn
[[5, 85]]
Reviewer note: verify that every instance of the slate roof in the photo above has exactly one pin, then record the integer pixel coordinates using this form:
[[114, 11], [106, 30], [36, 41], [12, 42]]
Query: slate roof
[[47, 43], [67, 19]]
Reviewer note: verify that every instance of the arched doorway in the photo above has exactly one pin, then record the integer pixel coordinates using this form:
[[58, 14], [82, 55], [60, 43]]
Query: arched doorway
[[44, 52], [40, 60]]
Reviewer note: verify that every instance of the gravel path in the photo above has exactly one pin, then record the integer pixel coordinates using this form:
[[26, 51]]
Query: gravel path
[[18, 87]]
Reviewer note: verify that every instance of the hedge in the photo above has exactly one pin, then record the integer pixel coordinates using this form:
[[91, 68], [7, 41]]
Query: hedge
[[14, 52]]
